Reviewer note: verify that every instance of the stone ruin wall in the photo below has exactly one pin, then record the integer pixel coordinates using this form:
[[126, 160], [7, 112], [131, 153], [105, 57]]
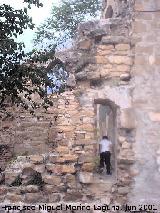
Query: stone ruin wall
[[146, 102], [113, 63]]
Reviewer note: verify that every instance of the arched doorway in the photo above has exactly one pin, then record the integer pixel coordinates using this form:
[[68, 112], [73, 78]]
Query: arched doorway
[[106, 124]]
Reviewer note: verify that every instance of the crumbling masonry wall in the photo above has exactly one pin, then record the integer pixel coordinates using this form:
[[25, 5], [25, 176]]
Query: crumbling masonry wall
[[52, 156], [146, 102]]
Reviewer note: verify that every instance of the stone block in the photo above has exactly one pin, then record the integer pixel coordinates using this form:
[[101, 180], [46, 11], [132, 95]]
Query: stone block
[[3, 190], [14, 190], [125, 160], [2, 198], [62, 149], [71, 181], [144, 48], [104, 72], [123, 190], [88, 167], [101, 60], [74, 196], [39, 168], [88, 127], [83, 142], [14, 198], [81, 75], [88, 113], [154, 116], [126, 153], [85, 159], [125, 77], [51, 110], [52, 180], [50, 167], [60, 169], [51, 136], [68, 169], [64, 121], [36, 159], [35, 198], [89, 135], [84, 44], [108, 66], [30, 189], [115, 40], [141, 60], [139, 6], [122, 68], [104, 52], [139, 27], [51, 189], [66, 128], [53, 198], [52, 158], [93, 75], [134, 172], [126, 145], [79, 136], [120, 60], [85, 177], [122, 47], [106, 200], [143, 16], [66, 159], [105, 47], [71, 81], [88, 148], [127, 119], [147, 5]]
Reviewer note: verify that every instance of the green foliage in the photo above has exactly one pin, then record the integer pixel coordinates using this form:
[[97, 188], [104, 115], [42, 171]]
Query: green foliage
[[19, 80], [65, 18]]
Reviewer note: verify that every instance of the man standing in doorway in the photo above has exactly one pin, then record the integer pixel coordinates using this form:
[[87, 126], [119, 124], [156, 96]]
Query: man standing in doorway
[[105, 147]]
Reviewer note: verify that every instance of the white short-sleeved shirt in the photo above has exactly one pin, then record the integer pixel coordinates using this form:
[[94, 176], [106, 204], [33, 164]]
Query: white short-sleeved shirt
[[105, 145]]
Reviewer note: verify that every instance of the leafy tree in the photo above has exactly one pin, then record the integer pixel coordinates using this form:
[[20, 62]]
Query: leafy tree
[[64, 20], [19, 80]]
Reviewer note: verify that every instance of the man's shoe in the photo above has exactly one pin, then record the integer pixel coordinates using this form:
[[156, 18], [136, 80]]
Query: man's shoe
[[109, 173]]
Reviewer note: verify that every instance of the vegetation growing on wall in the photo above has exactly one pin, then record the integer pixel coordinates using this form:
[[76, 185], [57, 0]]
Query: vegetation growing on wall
[[19, 80]]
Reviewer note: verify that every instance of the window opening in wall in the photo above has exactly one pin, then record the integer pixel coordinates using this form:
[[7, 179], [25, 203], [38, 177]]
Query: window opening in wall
[[106, 122], [58, 76]]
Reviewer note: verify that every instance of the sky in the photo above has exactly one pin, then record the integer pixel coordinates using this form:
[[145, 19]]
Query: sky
[[38, 15]]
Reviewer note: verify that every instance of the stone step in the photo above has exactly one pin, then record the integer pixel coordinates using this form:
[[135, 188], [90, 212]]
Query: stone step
[[99, 189]]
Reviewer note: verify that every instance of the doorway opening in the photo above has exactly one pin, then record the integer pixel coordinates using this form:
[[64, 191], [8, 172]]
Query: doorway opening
[[106, 125]]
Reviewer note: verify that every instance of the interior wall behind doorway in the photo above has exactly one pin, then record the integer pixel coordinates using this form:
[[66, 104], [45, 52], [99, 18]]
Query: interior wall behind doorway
[[107, 125]]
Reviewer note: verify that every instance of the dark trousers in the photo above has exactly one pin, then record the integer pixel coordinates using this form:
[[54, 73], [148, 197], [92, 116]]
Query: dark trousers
[[105, 158]]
